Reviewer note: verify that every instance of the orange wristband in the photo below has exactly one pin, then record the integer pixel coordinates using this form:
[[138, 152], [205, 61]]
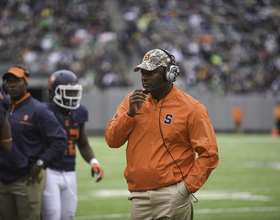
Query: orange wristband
[[5, 140]]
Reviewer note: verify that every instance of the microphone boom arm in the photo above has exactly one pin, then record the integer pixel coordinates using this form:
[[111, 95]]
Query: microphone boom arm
[[146, 91]]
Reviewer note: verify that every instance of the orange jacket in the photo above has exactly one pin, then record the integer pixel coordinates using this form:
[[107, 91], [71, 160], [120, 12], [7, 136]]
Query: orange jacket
[[237, 114], [186, 129], [276, 113]]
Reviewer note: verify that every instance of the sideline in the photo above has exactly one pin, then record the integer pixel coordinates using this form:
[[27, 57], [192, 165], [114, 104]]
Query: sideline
[[196, 212]]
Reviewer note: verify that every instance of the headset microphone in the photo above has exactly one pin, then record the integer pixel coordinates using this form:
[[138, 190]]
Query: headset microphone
[[146, 91]]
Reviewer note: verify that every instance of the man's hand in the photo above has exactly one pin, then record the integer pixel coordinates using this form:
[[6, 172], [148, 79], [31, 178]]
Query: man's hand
[[96, 169], [136, 101], [32, 175]]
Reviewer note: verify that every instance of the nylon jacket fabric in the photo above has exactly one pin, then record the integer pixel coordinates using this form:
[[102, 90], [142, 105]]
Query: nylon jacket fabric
[[186, 129], [36, 135]]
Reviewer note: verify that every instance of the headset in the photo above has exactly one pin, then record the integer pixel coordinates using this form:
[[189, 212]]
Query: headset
[[172, 71], [26, 72]]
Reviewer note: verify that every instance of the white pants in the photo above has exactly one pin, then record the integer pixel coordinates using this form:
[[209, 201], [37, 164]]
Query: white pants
[[60, 196]]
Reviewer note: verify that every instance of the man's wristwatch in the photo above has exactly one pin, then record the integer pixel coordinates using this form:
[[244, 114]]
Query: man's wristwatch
[[41, 163]]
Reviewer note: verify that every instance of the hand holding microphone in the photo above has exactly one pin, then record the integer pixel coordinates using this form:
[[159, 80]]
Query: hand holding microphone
[[136, 101]]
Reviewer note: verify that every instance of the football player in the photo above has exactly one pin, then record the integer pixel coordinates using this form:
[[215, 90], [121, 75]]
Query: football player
[[60, 194]]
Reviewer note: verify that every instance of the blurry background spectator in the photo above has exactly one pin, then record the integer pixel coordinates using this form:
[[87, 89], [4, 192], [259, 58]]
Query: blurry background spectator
[[222, 47], [237, 118], [276, 115]]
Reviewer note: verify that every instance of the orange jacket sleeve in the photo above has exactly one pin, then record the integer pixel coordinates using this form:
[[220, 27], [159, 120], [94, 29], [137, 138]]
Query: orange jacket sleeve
[[119, 127], [203, 141]]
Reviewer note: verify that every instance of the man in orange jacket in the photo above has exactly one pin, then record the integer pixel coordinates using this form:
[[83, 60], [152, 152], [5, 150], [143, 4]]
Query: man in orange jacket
[[165, 128], [237, 118]]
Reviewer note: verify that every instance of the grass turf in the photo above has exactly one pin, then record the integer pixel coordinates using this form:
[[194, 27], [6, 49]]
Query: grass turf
[[245, 185]]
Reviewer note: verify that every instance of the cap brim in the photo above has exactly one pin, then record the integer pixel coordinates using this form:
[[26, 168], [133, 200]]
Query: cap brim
[[17, 73], [136, 69], [146, 66], [11, 73]]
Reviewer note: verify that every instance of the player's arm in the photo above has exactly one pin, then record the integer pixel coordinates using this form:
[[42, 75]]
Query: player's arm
[[87, 153], [5, 136]]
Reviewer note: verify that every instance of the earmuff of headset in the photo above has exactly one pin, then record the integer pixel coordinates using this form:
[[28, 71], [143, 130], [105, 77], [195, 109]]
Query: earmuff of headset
[[26, 72], [3, 88], [172, 71]]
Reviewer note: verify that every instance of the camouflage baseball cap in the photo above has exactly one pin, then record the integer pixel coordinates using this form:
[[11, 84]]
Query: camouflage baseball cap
[[153, 59]]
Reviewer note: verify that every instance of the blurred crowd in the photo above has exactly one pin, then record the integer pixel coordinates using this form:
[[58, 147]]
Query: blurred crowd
[[48, 35], [221, 46]]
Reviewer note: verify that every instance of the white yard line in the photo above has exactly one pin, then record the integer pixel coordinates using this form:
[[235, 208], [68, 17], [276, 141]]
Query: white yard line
[[201, 195], [111, 216], [215, 195], [237, 210]]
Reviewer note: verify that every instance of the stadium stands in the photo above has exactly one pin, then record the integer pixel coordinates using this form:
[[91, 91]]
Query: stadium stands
[[222, 47]]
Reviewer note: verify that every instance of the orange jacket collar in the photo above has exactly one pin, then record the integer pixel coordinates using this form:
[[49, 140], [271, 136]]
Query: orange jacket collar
[[21, 100]]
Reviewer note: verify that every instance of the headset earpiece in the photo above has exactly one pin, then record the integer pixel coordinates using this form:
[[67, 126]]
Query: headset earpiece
[[3, 87], [172, 71], [26, 72]]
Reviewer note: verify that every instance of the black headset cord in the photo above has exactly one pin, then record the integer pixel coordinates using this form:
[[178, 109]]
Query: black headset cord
[[196, 200]]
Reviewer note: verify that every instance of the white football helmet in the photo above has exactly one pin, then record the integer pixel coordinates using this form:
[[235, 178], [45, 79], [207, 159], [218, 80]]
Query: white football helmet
[[64, 90]]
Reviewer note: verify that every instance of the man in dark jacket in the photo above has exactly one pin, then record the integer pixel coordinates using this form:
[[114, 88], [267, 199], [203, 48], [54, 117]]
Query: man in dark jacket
[[38, 142]]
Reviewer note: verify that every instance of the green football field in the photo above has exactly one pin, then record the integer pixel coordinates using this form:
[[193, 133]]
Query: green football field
[[245, 185]]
